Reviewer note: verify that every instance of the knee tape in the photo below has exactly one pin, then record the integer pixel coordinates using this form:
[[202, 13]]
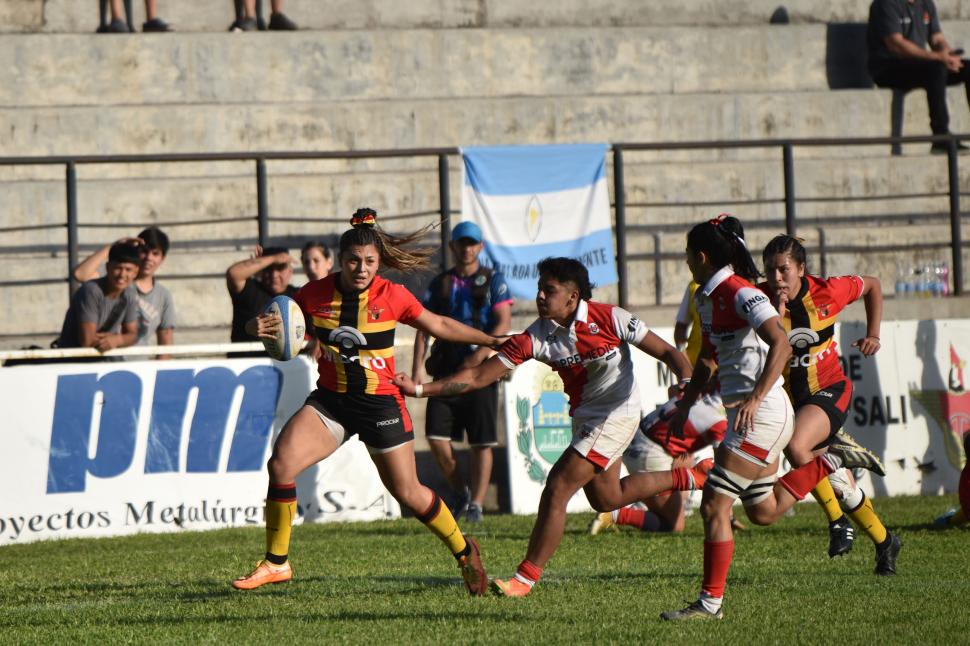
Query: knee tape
[[758, 490], [734, 486], [727, 483]]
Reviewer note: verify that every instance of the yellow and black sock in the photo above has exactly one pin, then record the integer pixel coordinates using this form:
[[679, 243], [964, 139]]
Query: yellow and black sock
[[824, 494], [442, 524], [865, 517], [280, 511]]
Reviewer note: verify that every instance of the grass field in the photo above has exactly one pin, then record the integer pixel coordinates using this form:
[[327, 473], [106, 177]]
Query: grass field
[[392, 582]]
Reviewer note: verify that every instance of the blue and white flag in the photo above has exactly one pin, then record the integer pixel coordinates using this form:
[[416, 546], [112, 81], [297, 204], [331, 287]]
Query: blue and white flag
[[533, 202]]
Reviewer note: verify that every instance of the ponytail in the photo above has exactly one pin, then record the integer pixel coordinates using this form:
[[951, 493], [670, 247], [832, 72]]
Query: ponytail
[[722, 239], [366, 231]]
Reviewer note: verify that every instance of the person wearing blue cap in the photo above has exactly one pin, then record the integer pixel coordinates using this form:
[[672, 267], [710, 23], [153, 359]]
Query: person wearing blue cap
[[479, 297]]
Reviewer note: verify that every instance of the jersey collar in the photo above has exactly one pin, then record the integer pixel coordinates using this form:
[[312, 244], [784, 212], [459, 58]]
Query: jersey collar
[[719, 277], [582, 315]]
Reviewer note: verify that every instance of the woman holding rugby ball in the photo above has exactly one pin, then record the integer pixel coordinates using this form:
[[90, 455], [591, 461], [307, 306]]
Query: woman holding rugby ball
[[353, 313]]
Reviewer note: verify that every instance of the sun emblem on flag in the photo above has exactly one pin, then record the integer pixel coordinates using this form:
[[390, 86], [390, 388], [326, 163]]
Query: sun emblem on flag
[[533, 218]]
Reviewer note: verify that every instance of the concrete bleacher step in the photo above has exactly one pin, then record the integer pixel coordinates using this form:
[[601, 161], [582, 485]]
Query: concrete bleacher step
[[82, 17], [313, 67], [363, 125]]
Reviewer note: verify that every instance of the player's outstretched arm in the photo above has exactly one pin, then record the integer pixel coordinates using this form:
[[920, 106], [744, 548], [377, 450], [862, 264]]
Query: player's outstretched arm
[[663, 351], [447, 329], [461, 382]]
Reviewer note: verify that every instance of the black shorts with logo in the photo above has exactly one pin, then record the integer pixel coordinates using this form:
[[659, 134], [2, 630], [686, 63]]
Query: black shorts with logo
[[475, 413], [381, 421], [834, 401]]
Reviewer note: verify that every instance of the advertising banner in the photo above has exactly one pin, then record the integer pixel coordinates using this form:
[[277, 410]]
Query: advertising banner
[[100, 449]]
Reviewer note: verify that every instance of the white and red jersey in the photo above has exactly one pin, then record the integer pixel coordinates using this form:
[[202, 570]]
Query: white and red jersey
[[706, 424], [731, 309], [592, 356]]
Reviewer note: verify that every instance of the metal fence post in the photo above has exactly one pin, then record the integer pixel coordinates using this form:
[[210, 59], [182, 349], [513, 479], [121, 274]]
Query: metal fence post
[[620, 215], [262, 203], [444, 207], [956, 245], [788, 164], [71, 192], [823, 260]]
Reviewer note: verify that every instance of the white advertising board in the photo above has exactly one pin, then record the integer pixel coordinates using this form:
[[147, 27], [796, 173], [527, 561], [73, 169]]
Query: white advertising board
[[99, 449], [910, 406]]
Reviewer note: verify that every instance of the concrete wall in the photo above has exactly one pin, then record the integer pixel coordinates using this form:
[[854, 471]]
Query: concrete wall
[[72, 16], [443, 84]]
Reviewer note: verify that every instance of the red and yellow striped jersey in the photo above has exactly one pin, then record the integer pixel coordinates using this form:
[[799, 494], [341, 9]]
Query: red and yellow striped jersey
[[809, 321], [356, 332]]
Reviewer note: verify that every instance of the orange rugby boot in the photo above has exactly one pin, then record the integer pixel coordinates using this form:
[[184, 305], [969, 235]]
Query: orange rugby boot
[[511, 588], [472, 570], [264, 573]]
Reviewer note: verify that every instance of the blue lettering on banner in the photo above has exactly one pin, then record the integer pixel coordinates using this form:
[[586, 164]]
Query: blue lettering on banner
[[74, 407]]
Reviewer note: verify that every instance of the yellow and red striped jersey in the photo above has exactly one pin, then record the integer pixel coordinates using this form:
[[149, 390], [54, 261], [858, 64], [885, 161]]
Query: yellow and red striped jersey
[[809, 321], [356, 332]]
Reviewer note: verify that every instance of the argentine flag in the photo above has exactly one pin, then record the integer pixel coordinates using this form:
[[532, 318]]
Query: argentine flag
[[533, 202]]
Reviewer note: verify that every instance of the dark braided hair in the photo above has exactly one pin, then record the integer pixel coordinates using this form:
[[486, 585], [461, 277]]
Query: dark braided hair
[[785, 244], [366, 231], [722, 239], [568, 270]]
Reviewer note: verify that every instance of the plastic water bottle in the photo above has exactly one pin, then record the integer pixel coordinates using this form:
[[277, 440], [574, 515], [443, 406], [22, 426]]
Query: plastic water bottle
[[902, 281]]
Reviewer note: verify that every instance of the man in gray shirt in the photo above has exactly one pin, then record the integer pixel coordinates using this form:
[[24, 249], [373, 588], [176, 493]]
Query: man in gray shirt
[[907, 50], [156, 307], [104, 312]]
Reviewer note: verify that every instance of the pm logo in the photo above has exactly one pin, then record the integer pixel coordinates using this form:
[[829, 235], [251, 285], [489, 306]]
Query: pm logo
[[802, 337], [96, 420]]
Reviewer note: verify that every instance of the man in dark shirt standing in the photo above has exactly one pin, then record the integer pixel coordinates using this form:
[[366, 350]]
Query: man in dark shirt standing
[[899, 33], [272, 268], [480, 298]]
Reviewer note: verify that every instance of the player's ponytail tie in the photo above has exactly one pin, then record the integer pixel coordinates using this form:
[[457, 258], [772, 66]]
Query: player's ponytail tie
[[720, 224], [364, 217]]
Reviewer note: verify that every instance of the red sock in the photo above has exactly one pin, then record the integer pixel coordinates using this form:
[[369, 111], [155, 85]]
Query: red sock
[[529, 571], [682, 480], [799, 482], [630, 517], [717, 562]]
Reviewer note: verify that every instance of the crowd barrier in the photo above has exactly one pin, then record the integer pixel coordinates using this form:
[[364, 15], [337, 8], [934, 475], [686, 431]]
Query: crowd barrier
[[101, 449]]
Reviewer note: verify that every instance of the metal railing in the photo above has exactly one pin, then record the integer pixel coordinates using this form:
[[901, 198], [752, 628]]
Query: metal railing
[[788, 199]]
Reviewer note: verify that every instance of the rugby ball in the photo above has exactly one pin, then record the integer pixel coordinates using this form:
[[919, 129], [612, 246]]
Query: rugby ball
[[289, 340]]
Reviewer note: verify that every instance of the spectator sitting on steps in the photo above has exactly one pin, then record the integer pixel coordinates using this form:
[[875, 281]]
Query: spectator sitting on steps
[[899, 33], [104, 312], [252, 283]]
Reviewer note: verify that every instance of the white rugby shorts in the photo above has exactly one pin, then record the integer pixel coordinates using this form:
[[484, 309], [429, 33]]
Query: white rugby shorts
[[774, 424], [602, 440]]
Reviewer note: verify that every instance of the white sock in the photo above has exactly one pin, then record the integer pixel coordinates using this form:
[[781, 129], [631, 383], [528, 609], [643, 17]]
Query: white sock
[[524, 580], [615, 515], [711, 604], [846, 489], [833, 461]]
